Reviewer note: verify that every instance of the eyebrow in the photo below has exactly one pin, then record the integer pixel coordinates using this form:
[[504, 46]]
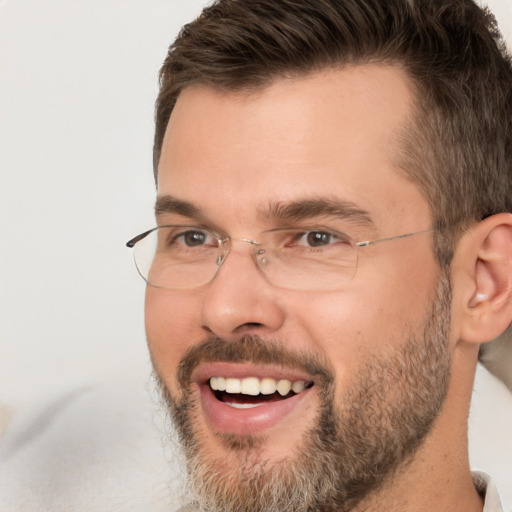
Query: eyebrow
[[169, 204], [278, 212], [310, 208]]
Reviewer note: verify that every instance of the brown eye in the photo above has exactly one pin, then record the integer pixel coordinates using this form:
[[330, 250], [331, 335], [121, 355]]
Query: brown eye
[[193, 238], [319, 238]]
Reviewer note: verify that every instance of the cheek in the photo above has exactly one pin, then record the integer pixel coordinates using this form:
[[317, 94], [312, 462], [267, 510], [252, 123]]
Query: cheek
[[343, 328], [170, 329], [374, 319]]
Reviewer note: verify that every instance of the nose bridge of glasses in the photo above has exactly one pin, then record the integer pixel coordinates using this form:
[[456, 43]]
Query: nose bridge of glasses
[[226, 244]]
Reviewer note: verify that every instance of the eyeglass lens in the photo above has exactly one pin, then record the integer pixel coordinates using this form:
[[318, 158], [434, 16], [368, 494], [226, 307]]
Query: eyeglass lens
[[178, 257]]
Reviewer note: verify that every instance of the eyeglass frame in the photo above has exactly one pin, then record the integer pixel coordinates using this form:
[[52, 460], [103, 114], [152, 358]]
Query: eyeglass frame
[[225, 252]]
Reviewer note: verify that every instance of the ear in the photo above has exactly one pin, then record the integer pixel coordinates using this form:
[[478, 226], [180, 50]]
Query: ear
[[486, 260]]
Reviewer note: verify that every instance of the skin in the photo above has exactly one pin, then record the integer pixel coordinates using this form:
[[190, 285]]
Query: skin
[[331, 134]]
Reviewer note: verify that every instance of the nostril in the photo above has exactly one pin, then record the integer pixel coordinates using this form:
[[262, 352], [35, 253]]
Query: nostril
[[249, 325]]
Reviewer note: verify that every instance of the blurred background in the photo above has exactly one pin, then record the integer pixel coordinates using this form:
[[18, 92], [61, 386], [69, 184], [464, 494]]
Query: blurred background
[[78, 80]]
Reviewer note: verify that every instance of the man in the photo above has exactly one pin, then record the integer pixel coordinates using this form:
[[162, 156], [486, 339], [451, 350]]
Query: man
[[334, 244]]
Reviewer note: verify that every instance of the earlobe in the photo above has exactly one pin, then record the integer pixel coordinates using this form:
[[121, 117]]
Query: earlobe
[[488, 311]]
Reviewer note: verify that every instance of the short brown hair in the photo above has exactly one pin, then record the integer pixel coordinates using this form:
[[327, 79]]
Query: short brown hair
[[459, 150]]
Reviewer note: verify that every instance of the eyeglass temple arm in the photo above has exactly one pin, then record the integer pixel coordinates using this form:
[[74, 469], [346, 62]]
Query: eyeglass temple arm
[[138, 238], [388, 239]]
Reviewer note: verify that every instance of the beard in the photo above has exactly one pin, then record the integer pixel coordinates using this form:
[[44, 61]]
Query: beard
[[350, 452]]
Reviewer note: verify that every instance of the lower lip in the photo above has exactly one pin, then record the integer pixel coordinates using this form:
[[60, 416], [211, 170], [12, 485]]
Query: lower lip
[[223, 418]]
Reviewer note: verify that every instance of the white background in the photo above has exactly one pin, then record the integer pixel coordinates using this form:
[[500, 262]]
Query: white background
[[78, 79]]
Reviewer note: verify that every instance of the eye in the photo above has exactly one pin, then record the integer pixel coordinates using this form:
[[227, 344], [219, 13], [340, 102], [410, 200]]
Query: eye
[[317, 238], [194, 238]]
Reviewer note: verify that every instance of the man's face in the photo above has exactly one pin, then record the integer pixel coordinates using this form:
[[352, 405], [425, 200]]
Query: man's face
[[361, 356]]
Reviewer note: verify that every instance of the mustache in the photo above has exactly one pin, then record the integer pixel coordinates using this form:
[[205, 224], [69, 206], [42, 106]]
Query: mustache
[[252, 349]]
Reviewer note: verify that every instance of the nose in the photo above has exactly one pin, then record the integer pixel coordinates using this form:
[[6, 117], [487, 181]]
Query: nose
[[240, 300]]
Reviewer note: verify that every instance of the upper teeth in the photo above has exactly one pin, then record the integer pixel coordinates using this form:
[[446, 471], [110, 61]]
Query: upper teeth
[[254, 386]]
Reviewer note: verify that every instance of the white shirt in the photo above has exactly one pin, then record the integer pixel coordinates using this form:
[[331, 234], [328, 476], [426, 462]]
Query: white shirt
[[485, 486]]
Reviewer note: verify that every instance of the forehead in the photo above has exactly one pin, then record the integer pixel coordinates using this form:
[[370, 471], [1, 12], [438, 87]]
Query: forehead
[[329, 134]]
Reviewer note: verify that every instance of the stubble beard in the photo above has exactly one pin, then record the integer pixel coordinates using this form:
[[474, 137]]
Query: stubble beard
[[349, 453]]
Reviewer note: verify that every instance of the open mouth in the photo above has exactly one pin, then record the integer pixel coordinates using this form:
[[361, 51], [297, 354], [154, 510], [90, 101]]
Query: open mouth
[[248, 399], [251, 392]]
